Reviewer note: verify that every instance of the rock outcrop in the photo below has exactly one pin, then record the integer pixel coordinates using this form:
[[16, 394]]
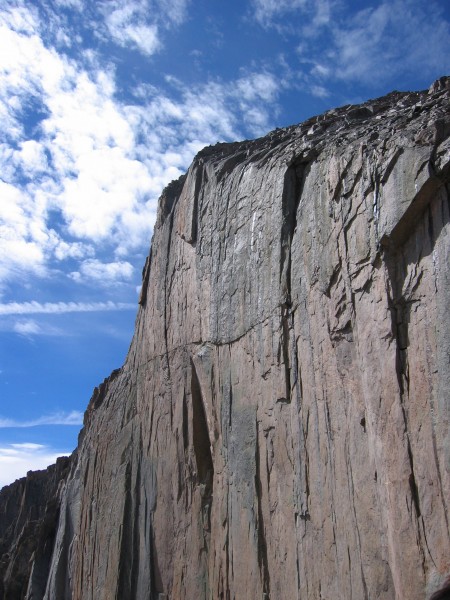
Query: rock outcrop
[[280, 428]]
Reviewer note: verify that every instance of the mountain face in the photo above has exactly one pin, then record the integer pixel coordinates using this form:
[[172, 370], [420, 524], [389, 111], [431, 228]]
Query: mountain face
[[280, 428]]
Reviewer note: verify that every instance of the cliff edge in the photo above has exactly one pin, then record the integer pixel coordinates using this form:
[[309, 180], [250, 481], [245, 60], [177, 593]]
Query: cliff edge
[[280, 428]]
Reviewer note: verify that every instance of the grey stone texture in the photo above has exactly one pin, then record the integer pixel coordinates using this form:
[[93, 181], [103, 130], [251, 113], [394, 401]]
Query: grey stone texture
[[280, 428]]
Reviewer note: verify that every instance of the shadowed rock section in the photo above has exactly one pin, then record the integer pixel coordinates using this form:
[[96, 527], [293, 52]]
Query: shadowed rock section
[[29, 512], [280, 428]]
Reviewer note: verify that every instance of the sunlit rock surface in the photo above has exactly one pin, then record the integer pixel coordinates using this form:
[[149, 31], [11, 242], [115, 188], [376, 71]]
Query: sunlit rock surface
[[280, 429]]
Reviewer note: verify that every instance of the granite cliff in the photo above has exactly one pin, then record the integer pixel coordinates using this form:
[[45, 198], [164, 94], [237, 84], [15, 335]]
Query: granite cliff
[[280, 428]]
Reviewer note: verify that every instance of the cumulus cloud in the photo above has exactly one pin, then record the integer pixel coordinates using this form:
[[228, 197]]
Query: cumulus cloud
[[17, 459]]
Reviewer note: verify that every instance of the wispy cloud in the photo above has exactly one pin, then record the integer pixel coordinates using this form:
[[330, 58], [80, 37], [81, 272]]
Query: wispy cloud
[[391, 39], [29, 308], [61, 418], [376, 45], [31, 328], [312, 15], [266, 11], [17, 459]]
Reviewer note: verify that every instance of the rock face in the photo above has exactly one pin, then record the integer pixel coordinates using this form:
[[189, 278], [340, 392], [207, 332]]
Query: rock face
[[29, 511], [280, 429]]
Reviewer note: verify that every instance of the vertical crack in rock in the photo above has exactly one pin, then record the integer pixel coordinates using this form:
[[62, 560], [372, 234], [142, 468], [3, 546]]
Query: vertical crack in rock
[[262, 542], [145, 279], [202, 447], [376, 187], [230, 403], [294, 181], [129, 552], [185, 423], [285, 348], [167, 295], [292, 192], [200, 176]]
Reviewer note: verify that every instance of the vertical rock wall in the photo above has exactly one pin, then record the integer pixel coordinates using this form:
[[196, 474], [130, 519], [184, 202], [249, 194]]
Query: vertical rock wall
[[280, 428]]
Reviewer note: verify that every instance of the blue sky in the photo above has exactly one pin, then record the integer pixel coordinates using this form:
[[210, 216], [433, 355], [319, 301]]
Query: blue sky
[[102, 104]]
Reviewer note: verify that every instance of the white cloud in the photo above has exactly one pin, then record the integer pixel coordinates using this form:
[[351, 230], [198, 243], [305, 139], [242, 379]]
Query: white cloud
[[384, 44], [320, 70], [77, 4], [312, 15], [27, 446], [145, 37], [138, 23], [322, 15], [392, 39], [257, 86], [20, 18], [267, 10], [27, 328], [319, 91], [103, 273], [64, 250], [376, 45], [31, 157], [22, 232], [126, 24], [173, 11], [33, 308], [74, 417], [93, 179], [17, 459]]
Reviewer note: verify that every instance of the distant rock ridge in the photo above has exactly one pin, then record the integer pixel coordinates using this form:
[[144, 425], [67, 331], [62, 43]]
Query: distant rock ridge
[[280, 428]]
